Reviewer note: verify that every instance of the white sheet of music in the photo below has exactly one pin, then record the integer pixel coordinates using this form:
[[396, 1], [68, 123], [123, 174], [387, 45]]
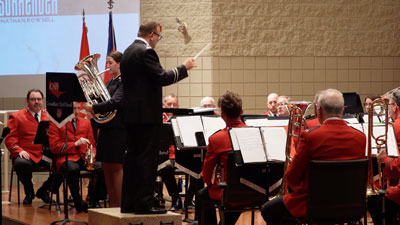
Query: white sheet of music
[[391, 140], [188, 126], [250, 144], [376, 119], [357, 126], [275, 141], [351, 120], [175, 128], [211, 124], [264, 122]]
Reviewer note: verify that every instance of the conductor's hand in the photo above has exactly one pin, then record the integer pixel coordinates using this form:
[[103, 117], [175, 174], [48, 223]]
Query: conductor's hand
[[382, 154], [24, 155], [82, 141], [88, 107], [189, 63]]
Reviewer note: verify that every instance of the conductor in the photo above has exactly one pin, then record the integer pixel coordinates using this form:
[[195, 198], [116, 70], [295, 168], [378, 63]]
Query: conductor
[[143, 78]]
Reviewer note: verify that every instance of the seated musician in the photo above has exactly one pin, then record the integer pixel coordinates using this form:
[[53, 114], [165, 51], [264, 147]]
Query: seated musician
[[168, 172], [272, 105], [217, 151], [333, 140], [368, 102], [282, 105], [312, 121], [207, 102], [80, 136], [392, 170]]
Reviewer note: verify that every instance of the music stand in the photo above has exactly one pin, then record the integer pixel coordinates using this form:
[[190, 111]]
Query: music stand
[[62, 90], [352, 103]]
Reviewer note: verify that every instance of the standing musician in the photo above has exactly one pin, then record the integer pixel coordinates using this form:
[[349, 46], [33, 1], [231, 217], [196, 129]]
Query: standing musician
[[272, 105], [143, 78], [111, 144], [333, 140], [392, 170], [24, 154], [217, 151], [80, 136]]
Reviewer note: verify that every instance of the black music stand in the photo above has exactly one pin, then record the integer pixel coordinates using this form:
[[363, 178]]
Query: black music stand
[[352, 103], [62, 90]]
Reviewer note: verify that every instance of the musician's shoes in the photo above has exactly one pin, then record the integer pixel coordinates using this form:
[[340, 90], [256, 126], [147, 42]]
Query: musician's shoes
[[152, 210], [28, 199], [81, 206], [43, 194], [190, 205], [176, 203], [93, 205]]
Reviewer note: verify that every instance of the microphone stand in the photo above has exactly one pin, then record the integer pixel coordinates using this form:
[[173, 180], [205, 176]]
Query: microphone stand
[[65, 187]]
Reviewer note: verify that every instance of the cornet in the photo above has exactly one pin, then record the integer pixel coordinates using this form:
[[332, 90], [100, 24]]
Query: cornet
[[89, 158]]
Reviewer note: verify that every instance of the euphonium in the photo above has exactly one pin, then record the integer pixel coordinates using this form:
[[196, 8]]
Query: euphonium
[[380, 140], [89, 158], [93, 87], [297, 121]]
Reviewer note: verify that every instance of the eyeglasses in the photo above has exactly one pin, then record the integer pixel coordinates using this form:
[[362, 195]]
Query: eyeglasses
[[35, 99], [392, 103], [159, 35]]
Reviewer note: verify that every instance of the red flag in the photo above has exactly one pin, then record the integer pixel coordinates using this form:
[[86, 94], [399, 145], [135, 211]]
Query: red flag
[[112, 45], [84, 52]]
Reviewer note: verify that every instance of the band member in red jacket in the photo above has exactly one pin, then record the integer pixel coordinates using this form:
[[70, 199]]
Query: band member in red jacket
[[24, 154], [272, 105], [80, 136], [392, 170], [217, 151], [333, 140]]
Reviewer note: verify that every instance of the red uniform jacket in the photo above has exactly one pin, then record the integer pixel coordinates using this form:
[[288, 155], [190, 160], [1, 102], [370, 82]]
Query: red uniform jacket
[[392, 168], [217, 151], [171, 149], [57, 140], [23, 128], [334, 140], [312, 123]]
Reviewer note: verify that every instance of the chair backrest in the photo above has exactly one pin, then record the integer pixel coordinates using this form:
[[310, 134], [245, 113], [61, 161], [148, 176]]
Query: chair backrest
[[236, 192], [337, 190]]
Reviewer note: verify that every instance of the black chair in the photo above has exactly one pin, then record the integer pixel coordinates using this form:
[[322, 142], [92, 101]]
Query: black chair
[[237, 197], [337, 191], [38, 169]]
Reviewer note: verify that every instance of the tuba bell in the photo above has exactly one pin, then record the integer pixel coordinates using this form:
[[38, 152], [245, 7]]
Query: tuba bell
[[93, 87], [297, 121]]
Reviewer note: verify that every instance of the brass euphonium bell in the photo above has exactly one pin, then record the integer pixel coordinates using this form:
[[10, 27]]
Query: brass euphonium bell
[[93, 87], [89, 158]]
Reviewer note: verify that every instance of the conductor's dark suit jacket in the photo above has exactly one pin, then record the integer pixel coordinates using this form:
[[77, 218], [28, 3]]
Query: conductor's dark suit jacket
[[143, 79]]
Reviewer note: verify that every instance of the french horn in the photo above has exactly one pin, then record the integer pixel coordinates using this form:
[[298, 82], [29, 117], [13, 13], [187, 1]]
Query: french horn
[[93, 87]]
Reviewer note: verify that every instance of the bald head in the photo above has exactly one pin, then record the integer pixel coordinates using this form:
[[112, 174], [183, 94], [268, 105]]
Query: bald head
[[207, 102], [331, 103], [273, 103]]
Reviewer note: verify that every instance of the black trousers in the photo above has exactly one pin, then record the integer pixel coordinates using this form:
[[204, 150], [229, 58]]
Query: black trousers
[[140, 167], [194, 186], [374, 204], [24, 169], [205, 210], [275, 212]]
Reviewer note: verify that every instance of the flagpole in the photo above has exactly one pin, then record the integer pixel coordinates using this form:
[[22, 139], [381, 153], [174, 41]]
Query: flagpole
[[112, 45]]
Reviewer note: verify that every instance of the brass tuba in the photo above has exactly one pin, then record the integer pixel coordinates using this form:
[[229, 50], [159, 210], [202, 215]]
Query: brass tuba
[[89, 158], [297, 121], [93, 87], [380, 140]]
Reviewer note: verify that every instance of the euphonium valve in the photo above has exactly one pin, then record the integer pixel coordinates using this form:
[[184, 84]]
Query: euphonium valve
[[93, 87]]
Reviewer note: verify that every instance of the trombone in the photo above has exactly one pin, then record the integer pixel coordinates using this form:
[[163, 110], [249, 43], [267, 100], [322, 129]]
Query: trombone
[[380, 140]]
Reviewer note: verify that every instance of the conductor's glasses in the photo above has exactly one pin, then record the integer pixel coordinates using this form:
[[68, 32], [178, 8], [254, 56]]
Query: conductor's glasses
[[159, 35]]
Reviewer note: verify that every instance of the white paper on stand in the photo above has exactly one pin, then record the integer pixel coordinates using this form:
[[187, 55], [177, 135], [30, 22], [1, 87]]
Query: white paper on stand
[[251, 144], [275, 142], [188, 126], [212, 124]]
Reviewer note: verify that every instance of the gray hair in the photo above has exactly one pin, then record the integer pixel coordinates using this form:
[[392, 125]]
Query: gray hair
[[396, 97], [331, 101]]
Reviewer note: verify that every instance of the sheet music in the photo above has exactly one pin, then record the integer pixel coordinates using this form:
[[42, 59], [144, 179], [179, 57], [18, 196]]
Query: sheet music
[[234, 140], [251, 144], [188, 126], [175, 128], [376, 119], [264, 122], [351, 120], [392, 148], [200, 110], [357, 126], [275, 142], [211, 124]]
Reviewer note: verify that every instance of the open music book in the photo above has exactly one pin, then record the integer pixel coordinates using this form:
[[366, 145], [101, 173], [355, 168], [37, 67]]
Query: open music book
[[392, 148], [265, 121], [194, 131], [258, 144]]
